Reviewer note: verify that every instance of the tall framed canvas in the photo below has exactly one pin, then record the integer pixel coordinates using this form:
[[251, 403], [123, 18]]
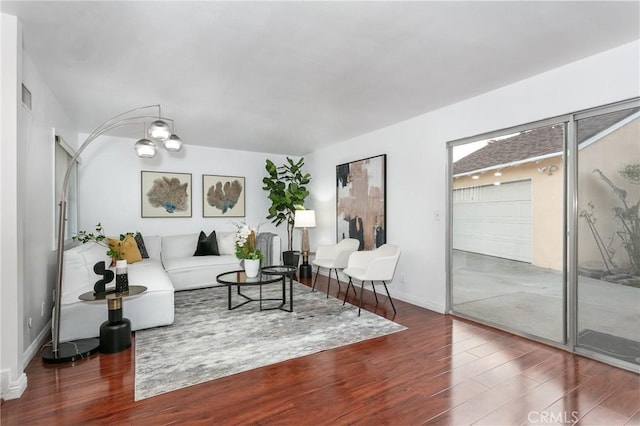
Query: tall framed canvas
[[165, 194], [223, 196], [361, 204]]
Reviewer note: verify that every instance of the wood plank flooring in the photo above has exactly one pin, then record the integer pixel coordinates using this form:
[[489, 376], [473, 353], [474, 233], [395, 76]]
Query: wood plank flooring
[[441, 370]]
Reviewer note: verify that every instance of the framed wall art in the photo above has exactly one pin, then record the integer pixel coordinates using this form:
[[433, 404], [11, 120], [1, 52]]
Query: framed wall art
[[223, 196], [361, 205], [165, 194]]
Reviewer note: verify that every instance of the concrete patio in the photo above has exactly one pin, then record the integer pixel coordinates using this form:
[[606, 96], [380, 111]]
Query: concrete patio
[[529, 299]]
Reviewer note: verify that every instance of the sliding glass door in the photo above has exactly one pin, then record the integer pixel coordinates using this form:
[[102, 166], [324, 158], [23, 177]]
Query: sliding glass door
[[608, 249], [507, 230], [546, 243]]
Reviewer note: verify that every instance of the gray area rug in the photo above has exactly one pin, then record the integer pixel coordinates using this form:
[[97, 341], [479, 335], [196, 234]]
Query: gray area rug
[[207, 341]]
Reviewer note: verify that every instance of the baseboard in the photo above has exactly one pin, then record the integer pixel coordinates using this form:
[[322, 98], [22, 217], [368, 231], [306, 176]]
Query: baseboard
[[35, 346], [12, 389]]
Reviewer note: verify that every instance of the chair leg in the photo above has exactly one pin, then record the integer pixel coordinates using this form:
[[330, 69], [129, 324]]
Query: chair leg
[[373, 286], [390, 299], [316, 279], [329, 283], [361, 291], [346, 293]]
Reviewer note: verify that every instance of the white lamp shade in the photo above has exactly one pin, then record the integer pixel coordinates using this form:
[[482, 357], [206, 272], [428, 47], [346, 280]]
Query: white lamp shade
[[173, 144], [145, 148], [159, 130], [305, 219]]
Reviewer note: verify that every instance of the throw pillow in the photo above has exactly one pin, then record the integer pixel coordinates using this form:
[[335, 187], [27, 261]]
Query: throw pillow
[[141, 246], [207, 245], [128, 247]]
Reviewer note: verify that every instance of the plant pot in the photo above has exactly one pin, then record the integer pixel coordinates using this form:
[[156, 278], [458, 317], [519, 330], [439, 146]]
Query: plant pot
[[251, 267], [291, 258]]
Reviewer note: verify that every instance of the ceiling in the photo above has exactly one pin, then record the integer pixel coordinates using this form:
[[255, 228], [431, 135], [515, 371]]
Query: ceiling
[[291, 77]]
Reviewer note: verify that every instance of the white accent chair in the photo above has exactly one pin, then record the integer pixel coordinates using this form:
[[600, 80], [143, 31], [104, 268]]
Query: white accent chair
[[334, 257], [375, 265]]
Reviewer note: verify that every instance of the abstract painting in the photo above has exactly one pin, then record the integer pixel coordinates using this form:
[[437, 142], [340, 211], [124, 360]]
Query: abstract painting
[[166, 194], [222, 196], [361, 207]]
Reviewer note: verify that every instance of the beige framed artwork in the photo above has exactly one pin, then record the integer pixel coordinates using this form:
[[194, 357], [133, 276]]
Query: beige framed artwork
[[361, 201], [165, 194], [223, 196]]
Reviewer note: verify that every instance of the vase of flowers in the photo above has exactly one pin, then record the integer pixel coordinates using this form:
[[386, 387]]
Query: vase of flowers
[[246, 250]]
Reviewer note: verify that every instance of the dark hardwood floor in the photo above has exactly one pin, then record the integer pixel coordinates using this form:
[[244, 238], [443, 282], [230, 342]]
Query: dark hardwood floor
[[441, 370]]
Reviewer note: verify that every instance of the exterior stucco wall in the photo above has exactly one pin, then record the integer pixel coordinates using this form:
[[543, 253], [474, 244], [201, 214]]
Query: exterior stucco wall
[[608, 154], [546, 205]]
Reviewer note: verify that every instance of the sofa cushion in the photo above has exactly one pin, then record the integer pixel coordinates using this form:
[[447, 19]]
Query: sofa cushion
[[177, 246], [128, 248], [227, 243], [77, 271], [207, 245], [141, 246], [153, 245]]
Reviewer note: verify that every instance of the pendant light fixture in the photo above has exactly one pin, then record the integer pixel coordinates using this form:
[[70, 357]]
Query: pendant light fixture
[[174, 143], [146, 148]]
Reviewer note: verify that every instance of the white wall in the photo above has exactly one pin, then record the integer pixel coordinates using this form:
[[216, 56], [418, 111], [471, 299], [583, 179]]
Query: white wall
[[109, 187], [37, 203], [27, 238], [12, 378], [417, 158]]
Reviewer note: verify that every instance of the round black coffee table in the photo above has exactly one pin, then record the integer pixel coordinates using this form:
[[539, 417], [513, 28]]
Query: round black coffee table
[[267, 275]]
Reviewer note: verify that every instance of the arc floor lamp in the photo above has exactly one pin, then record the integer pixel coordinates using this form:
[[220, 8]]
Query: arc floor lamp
[[157, 131]]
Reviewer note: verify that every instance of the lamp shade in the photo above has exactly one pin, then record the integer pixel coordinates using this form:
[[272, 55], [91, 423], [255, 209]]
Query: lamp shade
[[305, 219], [159, 130], [145, 148], [173, 144]]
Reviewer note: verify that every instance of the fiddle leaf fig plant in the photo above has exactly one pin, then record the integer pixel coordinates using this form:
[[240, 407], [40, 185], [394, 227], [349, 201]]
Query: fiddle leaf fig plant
[[287, 190]]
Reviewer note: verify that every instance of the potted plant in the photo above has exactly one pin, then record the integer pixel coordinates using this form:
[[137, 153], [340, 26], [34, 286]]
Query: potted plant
[[287, 192], [114, 251], [246, 249]]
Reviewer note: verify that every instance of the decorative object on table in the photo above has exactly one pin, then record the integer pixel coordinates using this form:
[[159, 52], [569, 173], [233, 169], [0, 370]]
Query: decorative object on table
[[287, 192], [223, 196], [361, 201], [246, 249], [122, 277], [165, 194], [305, 219], [100, 286], [145, 148]]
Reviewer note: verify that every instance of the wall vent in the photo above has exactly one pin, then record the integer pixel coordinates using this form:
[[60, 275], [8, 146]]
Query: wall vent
[[26, 97]]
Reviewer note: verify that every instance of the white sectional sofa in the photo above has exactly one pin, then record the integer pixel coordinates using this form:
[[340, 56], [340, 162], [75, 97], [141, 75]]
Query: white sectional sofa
[[171, 266]]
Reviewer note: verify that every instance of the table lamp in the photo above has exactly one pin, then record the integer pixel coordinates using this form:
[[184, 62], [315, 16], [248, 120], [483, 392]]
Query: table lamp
[[305, 219]]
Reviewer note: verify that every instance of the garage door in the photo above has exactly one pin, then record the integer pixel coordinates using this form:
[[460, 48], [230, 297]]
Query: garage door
[[494, 220]]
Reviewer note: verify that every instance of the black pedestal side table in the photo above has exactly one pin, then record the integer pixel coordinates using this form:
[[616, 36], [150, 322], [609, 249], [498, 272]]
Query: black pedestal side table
[[115, 333]]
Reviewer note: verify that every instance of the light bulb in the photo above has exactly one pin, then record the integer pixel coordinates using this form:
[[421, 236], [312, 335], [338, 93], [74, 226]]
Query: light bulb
[[145, 148]]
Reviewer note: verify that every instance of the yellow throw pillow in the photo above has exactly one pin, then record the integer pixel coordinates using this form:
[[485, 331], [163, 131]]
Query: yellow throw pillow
[[128, 247]]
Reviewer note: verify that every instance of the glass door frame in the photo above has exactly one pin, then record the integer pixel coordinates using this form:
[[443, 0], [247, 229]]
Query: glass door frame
[[570, 240]]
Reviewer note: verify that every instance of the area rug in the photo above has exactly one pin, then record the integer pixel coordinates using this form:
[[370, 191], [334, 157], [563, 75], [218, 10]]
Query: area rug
[[207, 341]]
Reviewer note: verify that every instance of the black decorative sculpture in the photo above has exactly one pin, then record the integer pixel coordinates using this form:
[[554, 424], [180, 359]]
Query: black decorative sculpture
[[101, 269]]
